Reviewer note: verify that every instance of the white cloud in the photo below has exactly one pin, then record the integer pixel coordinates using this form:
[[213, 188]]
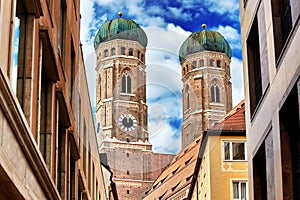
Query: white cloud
[[237, 80], [231, 35], [230, 8], [166, 140], [180, 13]]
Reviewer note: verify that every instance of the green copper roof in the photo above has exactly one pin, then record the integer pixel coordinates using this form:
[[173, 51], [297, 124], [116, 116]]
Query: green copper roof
[[120, 28], [204, 40]]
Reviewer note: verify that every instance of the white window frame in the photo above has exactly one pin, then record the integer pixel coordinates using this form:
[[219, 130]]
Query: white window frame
[[239, 188], [231, 150]]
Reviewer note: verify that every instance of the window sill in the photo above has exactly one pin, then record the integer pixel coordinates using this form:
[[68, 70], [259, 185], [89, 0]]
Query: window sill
[[127, 94], [216, 104], [234, 160]]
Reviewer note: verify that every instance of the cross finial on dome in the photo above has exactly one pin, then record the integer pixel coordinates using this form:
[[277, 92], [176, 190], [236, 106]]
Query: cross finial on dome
[[120, 14], [204, 26]]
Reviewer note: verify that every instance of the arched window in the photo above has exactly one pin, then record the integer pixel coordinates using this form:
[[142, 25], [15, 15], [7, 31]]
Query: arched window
[[126, 82], [113, 51], [123, 50], [215, 93], [105, 53], [218, 63], [143, 58], [211, 62], [138, 54], [187, 97], [194, 64], [201, 63], [130, 53]]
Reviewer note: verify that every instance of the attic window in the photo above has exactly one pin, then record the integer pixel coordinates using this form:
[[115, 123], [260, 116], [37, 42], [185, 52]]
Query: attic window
[[173, 172], [159, 198], [188, 178], [174, 188], [163, 180], [187, 162]]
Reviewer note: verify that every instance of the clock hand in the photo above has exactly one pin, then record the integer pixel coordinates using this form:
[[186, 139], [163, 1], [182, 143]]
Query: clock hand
[[127, 118]]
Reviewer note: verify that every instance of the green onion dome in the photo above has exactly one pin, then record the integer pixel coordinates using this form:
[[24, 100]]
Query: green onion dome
[[204, 40], [120, 28]]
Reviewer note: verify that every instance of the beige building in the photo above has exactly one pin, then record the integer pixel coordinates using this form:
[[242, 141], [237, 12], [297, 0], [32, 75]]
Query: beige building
[[223, 171], [213, 166], [48, 146], [207, 94], [271, 60], [121, 110]]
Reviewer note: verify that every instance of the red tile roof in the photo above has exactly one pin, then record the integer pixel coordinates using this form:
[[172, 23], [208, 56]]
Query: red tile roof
[[178, 175], [234, 120]]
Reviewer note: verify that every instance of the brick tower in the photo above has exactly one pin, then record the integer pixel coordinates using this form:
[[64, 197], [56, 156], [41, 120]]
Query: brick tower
[[121, 110], [207, 94]]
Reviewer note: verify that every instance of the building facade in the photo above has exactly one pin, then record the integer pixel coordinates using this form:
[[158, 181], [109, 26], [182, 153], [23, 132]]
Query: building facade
[[48, 142], [121, 110], [223, 169], [214, 166], [207, 94], [270, 42]]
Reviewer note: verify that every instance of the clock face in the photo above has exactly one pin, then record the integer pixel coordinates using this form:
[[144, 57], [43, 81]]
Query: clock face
[[127, 122]]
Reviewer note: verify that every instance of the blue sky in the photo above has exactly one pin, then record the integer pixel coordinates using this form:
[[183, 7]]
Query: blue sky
[[167, 24]]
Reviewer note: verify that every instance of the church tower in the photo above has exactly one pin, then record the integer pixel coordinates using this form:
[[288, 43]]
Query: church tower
[[121, 110], [207, 94]]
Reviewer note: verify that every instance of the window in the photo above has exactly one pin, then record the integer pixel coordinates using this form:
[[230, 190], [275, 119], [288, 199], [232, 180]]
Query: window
[[254, 67], [143, 58], [61, 28], [138, 54], [72, 70], [290, 144], [113, 51], [123, 50], [194, 64], [127, 172], [130, 53], [260, 173], [201, 63], [126, 82], [215, 93], [219, 63], [282, 23], [105, 53], [239, 189], [211, 62], [234, 151], [188, 98]]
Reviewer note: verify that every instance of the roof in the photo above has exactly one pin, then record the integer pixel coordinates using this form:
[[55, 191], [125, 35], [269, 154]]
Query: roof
[[204, 40], [234, 120], [120, 28], [178, 175]]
